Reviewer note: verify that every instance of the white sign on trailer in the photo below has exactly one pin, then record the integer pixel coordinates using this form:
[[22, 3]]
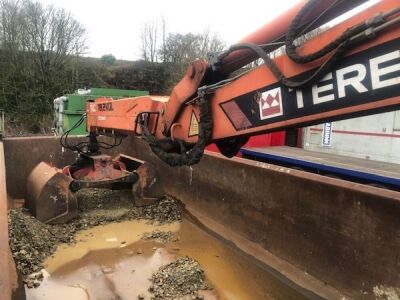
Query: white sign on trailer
[[327, 135]]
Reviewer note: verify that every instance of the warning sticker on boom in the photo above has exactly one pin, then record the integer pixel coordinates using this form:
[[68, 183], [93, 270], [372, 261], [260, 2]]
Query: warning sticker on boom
[[194, 125]]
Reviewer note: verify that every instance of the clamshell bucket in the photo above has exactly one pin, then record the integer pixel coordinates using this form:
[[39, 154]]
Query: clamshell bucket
[[50, 191], [48, 196]]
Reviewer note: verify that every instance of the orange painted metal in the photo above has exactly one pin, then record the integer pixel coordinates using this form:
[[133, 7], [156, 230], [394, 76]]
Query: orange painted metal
[[183, 91], [174, 117], [119, 116], [262, 77], [275, 29]]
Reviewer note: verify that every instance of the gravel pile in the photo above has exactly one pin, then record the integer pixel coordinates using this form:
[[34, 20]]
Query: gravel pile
[[180, 278], [159, 236], [166, 211], [31, 241], [93, 202]]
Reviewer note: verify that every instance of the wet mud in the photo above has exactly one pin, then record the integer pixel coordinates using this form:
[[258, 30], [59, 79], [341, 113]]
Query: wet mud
[[31, 241], [114, 250], [115, 262]]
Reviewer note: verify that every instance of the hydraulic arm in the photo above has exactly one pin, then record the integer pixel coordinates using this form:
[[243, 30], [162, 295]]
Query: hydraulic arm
[[354, 73], [343, 71]]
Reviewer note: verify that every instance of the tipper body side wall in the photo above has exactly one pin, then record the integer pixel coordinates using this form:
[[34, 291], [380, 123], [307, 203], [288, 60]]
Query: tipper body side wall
[[344, 234]]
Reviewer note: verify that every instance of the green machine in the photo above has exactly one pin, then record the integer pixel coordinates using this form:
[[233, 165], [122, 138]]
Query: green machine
[[70, 108]]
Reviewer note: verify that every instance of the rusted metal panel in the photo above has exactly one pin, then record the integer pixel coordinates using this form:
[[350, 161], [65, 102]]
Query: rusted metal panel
[[7, 274], [342, 233]]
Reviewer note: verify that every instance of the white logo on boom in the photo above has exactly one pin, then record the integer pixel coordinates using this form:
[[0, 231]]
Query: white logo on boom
[[270, 103]]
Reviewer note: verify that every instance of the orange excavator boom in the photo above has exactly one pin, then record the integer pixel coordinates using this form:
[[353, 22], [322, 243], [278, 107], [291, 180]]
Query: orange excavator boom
[[346, 70], [358, 76]]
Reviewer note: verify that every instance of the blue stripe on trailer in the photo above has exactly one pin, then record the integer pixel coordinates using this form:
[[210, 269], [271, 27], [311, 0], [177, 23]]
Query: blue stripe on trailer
[[328, 168]]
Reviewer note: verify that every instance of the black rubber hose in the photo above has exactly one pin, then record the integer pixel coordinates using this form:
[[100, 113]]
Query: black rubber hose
[[294, 32], [193, 155]]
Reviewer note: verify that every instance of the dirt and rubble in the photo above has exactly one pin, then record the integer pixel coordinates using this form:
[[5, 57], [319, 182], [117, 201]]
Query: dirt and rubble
[[31, 241], [159, 236], [179, 278]]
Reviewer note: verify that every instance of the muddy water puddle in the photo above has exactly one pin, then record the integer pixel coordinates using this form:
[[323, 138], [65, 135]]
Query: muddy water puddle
[[113, 262]]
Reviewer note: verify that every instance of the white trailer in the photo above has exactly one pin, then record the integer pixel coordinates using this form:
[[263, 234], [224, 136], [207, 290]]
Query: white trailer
[[375, 137]]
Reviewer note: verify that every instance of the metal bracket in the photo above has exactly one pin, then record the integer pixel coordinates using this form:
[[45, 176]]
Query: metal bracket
[[145, 119], [114, 184]]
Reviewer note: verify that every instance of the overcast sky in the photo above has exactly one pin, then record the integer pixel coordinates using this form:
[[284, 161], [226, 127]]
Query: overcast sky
[[115, 26]]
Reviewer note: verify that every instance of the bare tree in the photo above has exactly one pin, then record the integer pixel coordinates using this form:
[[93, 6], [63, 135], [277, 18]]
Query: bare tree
[[185, 48], [39, 46], [164, 38], [149, 45], [11, 28], [52, 36]]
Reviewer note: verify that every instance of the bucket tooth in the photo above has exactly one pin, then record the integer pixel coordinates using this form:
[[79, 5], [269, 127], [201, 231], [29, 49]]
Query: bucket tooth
[[48, 196], [148, 189]]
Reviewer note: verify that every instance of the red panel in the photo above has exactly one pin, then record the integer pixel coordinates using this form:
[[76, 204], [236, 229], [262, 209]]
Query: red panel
[[278, 138], [212, 147], [262, 140]]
